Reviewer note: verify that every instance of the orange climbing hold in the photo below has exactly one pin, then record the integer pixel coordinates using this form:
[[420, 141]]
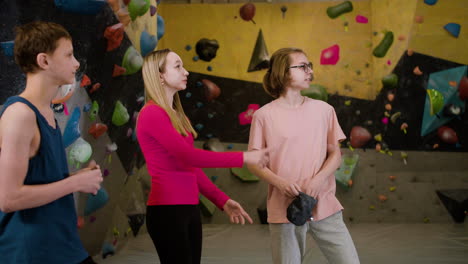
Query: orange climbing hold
[[85, 81]]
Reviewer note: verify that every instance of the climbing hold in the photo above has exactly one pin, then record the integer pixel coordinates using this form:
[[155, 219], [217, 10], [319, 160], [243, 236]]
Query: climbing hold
[[206, 49], [392, 177], [212, 91], [247, 12], [138, 8], [283, 11], [430, 2], [96, 202], [94, 111], [80, 222], [114, 35], [88, 7], [338, 10], [381, 50], [72, 129], [347, 169], [359, 136], [418, 19], [390, 81], [362, 19], [153, 10], [382, 198], [447, 135], [120, 115], [118, 70], [132, 61], [206, 206], [188, 47], [453, 29], [85, 81], [147, 42], [452, 110], [136, 221], [378, 137], [94, 88], [392, 188], [8, 48], [390, 97], [436, 100], [245, 117], [64, 93], [404, 156], [417, 71], [330, 56], [316, 91], [463, 88], [107, 250], [244, 174], [161, 27], [260, 58], [80, 152], [388, 107], [97, 129]]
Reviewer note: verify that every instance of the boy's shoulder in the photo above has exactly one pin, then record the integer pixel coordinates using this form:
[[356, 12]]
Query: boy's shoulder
[[19, 115]]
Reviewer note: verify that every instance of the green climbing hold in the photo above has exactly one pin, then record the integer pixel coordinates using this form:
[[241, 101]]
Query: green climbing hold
[[93, 112], [207, 207], [120, 116], [390, 81], [436, 99], [138, 8], [132, 61], [338, 10], [80, 152], [381, 50], [316, 91], [244, 174]]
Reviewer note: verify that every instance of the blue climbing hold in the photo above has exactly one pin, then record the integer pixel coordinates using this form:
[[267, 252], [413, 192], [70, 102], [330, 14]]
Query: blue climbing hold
[[453, 29], [147, 42], [86, 107], [188, 95], [199, 127], [161, 27], [7, 47], [195, 58], [83, 7], [72, 130], [430, 2], [188, 47], [96, 202]]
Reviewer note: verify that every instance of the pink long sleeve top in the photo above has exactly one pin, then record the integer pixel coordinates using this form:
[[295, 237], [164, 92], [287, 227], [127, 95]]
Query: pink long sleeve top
[[174, 164]]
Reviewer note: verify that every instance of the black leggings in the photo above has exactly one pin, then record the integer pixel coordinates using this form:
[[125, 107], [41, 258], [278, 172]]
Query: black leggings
[[176, 232]]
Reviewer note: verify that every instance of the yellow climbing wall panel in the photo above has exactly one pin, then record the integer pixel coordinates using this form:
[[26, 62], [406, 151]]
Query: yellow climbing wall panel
[[432, 39]]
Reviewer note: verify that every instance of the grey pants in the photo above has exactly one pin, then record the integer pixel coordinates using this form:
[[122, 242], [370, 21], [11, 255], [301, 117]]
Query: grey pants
[[288, 242]]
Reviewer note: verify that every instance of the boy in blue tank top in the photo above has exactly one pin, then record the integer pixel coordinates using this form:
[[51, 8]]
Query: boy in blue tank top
[[38, 222]]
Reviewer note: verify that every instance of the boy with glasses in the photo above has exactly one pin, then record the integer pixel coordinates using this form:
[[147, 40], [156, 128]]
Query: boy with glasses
[[305, 134]]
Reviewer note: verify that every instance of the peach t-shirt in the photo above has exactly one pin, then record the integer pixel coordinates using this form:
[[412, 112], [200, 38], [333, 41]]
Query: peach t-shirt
[[299, 137]]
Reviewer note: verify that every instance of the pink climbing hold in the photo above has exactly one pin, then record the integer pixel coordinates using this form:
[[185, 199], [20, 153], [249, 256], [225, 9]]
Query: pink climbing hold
[[330, 56], [361, 19], [245, 118]]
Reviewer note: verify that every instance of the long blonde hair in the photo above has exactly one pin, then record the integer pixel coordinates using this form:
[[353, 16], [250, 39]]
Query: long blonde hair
[[153, 65]]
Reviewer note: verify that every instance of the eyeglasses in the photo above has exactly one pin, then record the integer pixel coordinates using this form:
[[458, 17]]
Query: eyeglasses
[[305, 67]]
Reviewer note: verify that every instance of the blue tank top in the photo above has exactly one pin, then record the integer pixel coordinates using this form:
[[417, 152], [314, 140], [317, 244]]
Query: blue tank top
[[49, 233]]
